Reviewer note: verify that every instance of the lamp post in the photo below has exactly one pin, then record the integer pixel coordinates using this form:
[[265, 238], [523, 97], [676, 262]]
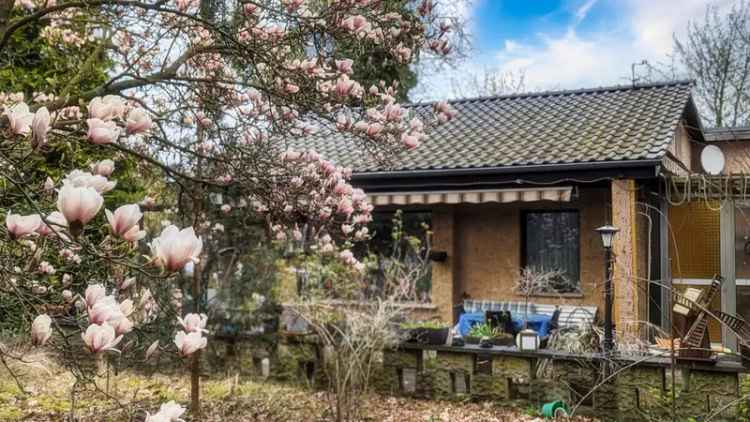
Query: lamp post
[[607, 233]]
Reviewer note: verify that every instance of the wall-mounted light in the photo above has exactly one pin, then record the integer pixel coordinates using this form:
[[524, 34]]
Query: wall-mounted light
[[438, 256]]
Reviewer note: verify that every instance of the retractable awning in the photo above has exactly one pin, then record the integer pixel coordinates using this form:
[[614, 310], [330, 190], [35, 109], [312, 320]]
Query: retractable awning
[[558, 194]]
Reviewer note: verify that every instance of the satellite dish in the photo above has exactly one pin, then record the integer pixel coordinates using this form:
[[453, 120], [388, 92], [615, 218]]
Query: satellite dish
[[712, 159]]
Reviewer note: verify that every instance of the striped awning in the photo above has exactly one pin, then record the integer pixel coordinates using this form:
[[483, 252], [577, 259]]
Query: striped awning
[[558, 194]]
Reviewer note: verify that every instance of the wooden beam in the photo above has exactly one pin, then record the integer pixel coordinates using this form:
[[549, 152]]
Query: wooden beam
[[729, 286]]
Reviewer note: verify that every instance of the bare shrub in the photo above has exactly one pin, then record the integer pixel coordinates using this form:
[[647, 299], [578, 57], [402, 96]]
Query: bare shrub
[[352, 339]]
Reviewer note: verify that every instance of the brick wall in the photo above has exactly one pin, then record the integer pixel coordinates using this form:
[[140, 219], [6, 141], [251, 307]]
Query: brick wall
[[487, 257]]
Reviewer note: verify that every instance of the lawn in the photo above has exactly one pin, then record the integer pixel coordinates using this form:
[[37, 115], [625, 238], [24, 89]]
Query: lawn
[[224, 399]]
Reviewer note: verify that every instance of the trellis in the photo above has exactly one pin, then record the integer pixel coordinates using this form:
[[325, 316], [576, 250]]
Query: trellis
[[679, 190]]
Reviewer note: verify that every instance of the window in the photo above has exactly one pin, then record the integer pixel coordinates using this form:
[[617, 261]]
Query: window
[[551, 243], [401, 243]]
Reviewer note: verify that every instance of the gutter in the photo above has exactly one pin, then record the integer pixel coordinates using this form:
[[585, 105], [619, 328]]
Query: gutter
[[504, 170]]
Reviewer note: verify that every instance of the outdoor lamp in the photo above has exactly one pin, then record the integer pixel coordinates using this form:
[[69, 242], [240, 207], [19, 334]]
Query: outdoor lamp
[[527, 340], [608, 233]]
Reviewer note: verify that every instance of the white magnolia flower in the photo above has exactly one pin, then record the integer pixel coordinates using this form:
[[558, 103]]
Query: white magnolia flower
[[174, 248]]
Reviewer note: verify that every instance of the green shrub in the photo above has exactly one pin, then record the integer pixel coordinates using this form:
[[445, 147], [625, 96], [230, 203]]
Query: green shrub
[[485, 330]]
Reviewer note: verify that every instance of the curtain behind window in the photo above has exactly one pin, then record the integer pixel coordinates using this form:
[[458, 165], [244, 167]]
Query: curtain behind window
[[552, 243]]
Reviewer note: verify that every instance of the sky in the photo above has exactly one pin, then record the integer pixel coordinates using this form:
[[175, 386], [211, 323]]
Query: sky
[[567, 44]]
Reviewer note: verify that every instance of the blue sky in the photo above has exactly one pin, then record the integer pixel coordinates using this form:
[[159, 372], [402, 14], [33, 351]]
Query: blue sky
[[564, 44]]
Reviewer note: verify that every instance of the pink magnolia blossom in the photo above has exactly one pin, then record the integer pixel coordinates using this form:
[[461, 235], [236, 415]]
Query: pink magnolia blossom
[[174, 248], [393, 112], [168, 412], [40, 125], [291, 88], [78, 205], [134, 234], [104, 310], [344, 66], [93, 294], [121, 324], [41, 330], [126, 283], [54, 222], [46, 268], [49, 184], [26, 4], [21, 225], [374, 129], [356, 24], [152, 349], [187, 344], [194, 322], [184, 5], [416, 124], [103, 168], [344, 86], [345, 206], [444, 111], [127, 307], [410, 141], [100, 338], [101, 132], [82, 179], [124, 219], [106, 108], [138, 121], [20, 118]]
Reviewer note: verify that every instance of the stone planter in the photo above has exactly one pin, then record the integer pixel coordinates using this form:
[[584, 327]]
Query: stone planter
[[504, 340], [431, 336]]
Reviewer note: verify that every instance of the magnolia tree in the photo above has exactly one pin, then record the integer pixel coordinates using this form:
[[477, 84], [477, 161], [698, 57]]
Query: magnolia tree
[[208, 102]]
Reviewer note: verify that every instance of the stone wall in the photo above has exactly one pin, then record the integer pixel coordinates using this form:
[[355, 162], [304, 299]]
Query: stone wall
[[642, 392]]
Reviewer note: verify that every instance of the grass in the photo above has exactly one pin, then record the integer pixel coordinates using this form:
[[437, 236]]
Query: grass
[[224, 398]]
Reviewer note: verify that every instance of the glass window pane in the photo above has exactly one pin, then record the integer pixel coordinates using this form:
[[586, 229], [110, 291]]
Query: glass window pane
[[552, 244]]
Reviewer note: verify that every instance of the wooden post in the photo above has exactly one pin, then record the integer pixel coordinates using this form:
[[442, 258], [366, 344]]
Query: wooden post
[[665, 269], [729, 286], [625, 271]]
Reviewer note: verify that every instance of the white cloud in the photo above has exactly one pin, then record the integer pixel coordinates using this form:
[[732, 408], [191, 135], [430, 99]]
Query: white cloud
[[583, 10], [576, 58], [567, 61]]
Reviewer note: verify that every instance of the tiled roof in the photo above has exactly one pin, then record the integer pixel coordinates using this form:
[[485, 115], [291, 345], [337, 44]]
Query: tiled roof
[[563, 127]]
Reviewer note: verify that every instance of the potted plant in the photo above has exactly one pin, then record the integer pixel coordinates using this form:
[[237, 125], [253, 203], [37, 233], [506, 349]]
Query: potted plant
[[426, 332], [496, 335]]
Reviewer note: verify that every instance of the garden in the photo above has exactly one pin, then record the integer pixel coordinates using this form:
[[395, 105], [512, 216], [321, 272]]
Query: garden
[[177, 246]]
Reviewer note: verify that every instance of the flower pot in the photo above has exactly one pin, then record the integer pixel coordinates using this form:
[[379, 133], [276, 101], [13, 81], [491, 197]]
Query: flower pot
[[504, 340], [471, 339]]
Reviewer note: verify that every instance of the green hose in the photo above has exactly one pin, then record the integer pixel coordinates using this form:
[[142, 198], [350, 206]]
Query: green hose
[[554, 409]]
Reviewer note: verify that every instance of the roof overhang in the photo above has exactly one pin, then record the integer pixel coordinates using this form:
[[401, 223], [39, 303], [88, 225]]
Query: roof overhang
[[503, 177], [727, 134], [473, 196]]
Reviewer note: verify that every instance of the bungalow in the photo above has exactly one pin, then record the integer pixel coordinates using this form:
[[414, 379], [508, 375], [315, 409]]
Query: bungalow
[[525, 180]]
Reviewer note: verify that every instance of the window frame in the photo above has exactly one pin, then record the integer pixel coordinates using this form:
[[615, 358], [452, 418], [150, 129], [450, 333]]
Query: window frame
[[524, 259]]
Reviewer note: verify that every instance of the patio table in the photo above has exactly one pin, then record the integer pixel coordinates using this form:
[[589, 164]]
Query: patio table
[[540, 323]]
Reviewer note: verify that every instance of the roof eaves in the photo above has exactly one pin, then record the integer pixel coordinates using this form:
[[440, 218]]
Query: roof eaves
[[554, 93], [591, 165]]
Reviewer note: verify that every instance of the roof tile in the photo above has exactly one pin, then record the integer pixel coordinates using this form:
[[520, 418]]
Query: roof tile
[[617, 123]]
